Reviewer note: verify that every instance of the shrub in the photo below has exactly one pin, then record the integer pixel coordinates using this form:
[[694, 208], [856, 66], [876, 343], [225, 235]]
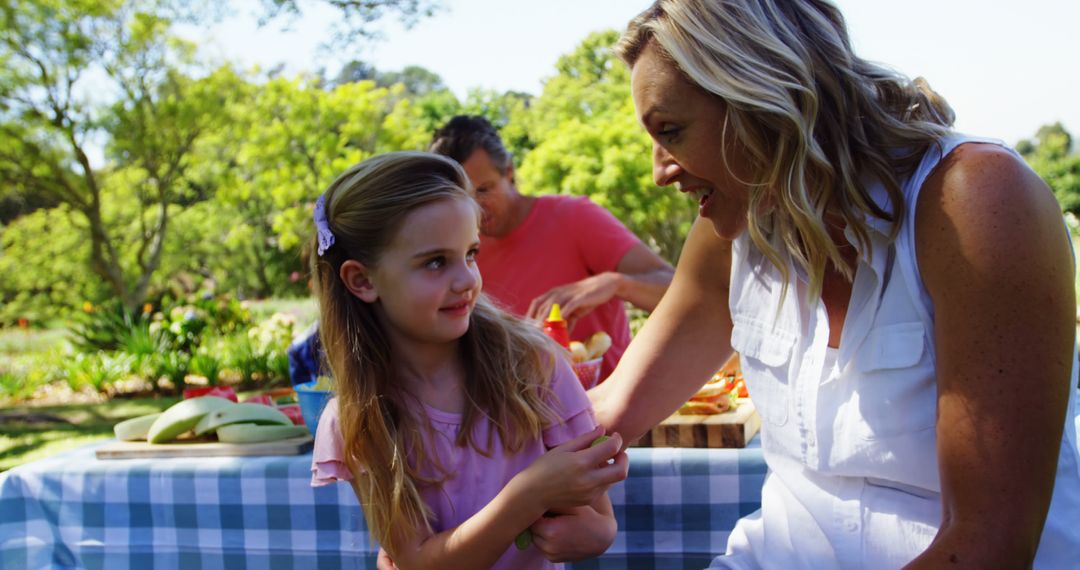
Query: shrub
[[171, 364], [181, 328], [96, 370], [104, 327], [205, 364], [13, 385], [243, 357]]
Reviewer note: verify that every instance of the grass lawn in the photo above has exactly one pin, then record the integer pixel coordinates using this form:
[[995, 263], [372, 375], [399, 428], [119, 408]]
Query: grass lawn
[[28, 433], [15, 342]]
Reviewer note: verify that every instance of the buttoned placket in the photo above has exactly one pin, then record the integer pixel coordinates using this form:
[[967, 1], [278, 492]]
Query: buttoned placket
[[865, 294], [865, 297], [809, 360]]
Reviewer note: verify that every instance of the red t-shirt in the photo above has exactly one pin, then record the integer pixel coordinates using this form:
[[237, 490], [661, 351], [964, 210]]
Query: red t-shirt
[[563, 239]]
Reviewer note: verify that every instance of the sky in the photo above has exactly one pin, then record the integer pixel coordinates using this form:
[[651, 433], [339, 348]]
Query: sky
[[1007, 67]]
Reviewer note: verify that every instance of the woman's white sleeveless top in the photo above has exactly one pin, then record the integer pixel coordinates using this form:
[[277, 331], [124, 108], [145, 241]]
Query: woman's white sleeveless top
[[849, 433]]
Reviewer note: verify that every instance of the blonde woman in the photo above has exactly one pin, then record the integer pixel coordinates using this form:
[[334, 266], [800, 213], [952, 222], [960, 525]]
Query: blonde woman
[[900, 295], [458, 425]]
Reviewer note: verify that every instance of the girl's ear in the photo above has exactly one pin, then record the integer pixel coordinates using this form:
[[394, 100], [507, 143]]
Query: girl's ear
[[357, 279]]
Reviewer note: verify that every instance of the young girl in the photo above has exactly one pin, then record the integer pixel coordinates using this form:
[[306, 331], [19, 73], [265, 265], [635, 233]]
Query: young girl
[[457, 425]]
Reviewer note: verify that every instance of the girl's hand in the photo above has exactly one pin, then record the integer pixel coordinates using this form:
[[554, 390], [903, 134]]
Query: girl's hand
[[575, 473], [384, 562], [575, 534]]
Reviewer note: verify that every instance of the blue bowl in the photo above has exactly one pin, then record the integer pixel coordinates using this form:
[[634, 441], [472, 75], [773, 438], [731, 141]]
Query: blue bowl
[[312, 403]]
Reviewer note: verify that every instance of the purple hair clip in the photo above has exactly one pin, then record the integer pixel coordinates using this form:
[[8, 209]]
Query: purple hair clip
[[322, 226]]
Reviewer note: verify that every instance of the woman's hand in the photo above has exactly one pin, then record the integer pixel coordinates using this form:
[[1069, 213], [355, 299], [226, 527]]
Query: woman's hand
[[575, 473]]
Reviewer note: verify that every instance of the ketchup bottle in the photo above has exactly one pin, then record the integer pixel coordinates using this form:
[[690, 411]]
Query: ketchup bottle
[[555, 327]]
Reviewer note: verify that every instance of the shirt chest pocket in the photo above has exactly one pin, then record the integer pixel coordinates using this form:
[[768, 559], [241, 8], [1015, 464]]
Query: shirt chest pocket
[[894, 382], [765, 356]]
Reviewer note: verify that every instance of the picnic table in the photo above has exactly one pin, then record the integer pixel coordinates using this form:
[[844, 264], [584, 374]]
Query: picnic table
[[72, 510]]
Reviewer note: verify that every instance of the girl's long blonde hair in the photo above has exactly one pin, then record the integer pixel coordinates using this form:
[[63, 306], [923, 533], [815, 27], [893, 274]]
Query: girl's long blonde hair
[[813, 119], [506, 361]]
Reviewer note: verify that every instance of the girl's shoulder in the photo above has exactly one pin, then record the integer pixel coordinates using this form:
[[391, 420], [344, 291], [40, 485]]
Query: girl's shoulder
[[567, 393]]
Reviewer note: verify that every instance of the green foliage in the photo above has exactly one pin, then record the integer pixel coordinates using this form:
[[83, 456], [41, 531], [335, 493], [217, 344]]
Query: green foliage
[[242, 357], [13, 386], [354, 25], [181, 328], [286, 141], [43, 260], [50, 114], [29, 360], [206, 364], [270, 342], [588, 143], [23, 375], [108, 326], [96, 370], [210, 176], [1051, 156], [172, 365]]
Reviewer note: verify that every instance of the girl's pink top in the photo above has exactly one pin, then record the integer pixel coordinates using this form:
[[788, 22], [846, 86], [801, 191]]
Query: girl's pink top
[[474, 479]]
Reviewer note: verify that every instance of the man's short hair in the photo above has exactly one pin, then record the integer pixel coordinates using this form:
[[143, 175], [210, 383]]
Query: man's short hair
[[463, 134]]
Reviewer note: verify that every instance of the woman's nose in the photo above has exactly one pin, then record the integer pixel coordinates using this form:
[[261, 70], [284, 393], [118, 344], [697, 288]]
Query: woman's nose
[[664, 169]]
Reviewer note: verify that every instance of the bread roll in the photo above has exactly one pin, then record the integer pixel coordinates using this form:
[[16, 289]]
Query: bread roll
[[578, 352], [598, 344]]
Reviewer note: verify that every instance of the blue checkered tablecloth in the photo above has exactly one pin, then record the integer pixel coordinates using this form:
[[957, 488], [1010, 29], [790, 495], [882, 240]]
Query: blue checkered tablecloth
[[675, 510]]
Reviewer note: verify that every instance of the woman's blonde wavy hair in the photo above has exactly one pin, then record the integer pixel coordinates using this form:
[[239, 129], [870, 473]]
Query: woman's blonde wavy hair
[[813, 119], [507, 362]]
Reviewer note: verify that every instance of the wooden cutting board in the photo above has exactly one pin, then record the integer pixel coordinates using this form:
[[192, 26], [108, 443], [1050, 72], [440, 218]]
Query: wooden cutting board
[[142, 449], [733, 428]]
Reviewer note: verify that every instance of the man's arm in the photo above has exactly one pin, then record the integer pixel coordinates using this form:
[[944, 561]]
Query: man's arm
[[644, 276], [640, 279]]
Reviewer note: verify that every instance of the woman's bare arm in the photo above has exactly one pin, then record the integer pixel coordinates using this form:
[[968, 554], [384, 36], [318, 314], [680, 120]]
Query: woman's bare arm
[[686, 339], [993, 253]]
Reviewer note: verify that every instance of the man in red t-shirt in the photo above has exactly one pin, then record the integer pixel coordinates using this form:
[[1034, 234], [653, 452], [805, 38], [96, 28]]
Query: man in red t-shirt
[[540, 250]]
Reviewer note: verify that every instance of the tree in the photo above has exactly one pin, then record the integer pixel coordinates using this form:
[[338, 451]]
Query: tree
[[585, 140], [1049, 154], [61, 57], [285, 142], [415, 79], [356, 15], [43, 265]]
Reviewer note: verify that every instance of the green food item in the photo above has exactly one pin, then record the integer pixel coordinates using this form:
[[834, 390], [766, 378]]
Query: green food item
[[523, 540], [241, 413], [255, 433], [182, 416], [135, 428]]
